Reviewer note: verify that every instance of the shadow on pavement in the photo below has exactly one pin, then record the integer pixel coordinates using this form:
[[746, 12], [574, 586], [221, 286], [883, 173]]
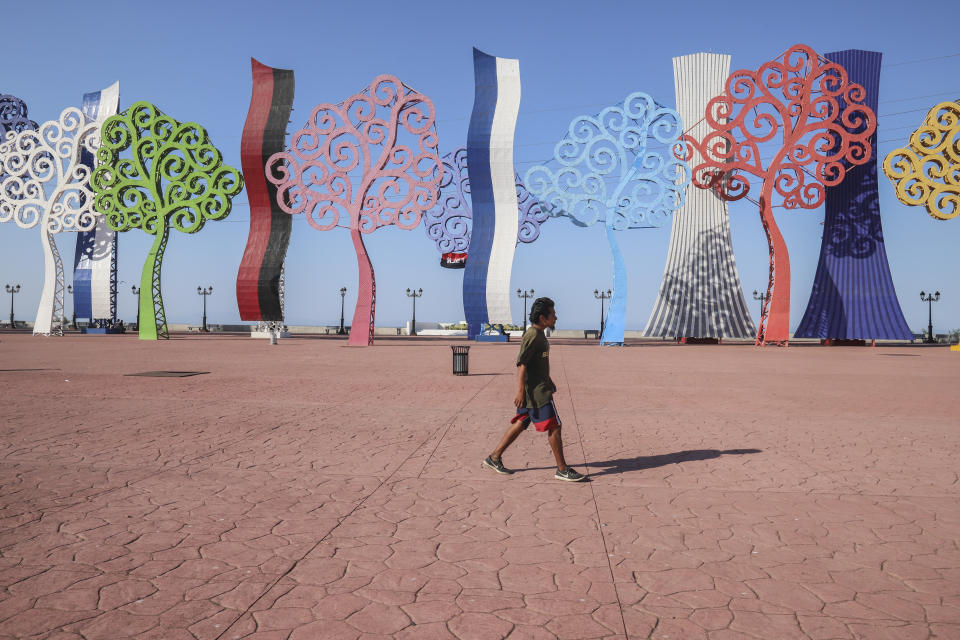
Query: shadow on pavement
[[622, 465]]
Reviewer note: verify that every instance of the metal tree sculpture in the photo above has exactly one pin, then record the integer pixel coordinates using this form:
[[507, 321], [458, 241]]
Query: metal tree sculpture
[[825, 125], [171, 176], [609, 172], [349, 163], [927, 171], [45, 183], [449, 223]]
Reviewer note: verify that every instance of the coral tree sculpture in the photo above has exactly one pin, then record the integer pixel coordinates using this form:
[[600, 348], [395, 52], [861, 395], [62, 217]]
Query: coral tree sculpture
[[45, 183], [154, 173], [449, 224], [853, 297], [260, 277], [825, 126], [369, 162], [609, 169], [927, 171]]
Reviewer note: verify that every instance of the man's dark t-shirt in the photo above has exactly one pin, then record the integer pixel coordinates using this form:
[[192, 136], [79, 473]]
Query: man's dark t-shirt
[[535, 354]]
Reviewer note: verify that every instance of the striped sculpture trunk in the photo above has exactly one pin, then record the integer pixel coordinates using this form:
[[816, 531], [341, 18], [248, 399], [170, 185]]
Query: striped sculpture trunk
[[700, 295], [486, 278]]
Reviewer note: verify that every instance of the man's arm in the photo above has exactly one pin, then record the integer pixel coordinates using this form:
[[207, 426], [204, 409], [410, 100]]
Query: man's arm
[[519, 401]]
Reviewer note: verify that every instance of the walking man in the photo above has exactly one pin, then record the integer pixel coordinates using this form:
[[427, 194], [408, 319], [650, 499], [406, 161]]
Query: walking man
[[535, 389]]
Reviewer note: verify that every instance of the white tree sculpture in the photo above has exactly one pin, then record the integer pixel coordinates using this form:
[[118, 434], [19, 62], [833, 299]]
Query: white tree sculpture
[[43, 182]]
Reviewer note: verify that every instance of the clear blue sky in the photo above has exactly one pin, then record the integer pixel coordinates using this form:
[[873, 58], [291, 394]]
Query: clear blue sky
[[193, 60]]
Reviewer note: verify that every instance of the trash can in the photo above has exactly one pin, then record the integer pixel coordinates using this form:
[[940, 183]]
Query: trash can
[[461, 360]]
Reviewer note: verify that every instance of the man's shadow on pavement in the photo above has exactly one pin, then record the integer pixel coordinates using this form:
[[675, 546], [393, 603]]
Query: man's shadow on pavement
[[622, 465]]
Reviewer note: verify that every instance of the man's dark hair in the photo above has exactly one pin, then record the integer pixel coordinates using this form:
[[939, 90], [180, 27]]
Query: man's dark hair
[[541, 307]]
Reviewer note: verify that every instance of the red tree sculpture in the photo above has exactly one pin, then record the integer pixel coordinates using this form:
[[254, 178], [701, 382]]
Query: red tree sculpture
[[825, 127], [370, 161]]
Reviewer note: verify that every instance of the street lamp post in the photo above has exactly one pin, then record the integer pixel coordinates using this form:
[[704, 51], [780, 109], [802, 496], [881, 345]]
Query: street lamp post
[[525, 295], [414, 294], [135, 289], [601, 296], [343, 293], [930, 298], [762, 297], [73, 323], [12, 290], [204, 291]]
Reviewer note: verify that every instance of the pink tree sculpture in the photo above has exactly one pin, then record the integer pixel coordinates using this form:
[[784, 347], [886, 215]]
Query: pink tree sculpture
[[825, 126], [368, 162]]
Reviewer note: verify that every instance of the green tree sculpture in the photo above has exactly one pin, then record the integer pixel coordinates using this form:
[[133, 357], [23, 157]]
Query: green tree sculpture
[[155, 173]]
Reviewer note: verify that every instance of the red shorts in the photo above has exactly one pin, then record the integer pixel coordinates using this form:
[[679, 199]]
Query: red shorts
[[544, 418]]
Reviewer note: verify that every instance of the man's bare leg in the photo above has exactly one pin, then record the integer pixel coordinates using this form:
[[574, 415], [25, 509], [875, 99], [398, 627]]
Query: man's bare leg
[[556, 443], [508, 437]]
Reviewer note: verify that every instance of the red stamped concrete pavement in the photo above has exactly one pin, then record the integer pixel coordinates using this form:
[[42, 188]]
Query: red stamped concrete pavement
[[310, 490]]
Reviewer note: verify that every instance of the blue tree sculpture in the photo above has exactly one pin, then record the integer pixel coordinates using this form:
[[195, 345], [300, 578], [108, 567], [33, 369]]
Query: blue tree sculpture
[[449, 223], [619, 167]]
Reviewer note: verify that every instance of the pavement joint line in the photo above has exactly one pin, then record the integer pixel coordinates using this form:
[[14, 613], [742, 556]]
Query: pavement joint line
[[596, 506], [358, 505], [450, 424]]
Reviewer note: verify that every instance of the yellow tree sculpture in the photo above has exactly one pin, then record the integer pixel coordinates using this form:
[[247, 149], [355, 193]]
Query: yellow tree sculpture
[[927, 171]]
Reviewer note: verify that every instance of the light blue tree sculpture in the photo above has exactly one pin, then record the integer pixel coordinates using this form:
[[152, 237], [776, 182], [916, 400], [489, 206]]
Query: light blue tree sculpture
[[619, 167]]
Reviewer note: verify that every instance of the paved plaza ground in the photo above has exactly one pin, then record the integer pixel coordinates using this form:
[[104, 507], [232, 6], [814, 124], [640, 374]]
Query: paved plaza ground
[[312, 490]]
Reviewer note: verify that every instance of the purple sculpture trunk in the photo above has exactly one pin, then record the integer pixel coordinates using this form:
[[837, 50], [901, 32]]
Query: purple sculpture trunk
[[853, 296]]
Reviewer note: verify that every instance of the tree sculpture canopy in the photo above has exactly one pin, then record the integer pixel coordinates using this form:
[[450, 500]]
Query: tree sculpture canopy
[[449, 223], [43, 181], [927, 171], [13, 115], [816, 125], [155, 173], [365, 163], [620, 167]]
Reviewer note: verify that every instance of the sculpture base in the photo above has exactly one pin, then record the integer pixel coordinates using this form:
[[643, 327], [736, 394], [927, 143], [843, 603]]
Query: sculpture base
[[496, 337], [700, 340], [266, 334], [955, 347], [841, 342], [98, 331]]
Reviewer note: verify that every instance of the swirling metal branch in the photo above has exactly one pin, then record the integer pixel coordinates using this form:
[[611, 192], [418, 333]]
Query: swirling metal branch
[[44, 182], [368, 162], [825, 127], [155, 173], [607, 172], [448, 224], [927, 171]]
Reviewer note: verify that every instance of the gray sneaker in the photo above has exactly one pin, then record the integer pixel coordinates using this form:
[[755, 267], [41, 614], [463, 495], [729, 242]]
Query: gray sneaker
[[569, 475], [496, 465]]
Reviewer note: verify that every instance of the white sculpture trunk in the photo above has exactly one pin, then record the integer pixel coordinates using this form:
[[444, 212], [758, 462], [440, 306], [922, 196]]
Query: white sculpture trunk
[[503, 177], [700, 294]]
